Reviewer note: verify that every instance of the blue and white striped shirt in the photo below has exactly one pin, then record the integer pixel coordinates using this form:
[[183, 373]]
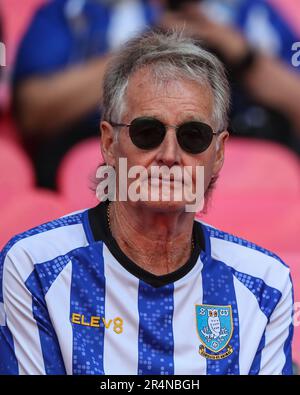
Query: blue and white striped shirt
[[72, 303]]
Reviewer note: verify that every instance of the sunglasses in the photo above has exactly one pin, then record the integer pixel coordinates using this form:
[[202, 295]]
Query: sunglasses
[[148, 133]]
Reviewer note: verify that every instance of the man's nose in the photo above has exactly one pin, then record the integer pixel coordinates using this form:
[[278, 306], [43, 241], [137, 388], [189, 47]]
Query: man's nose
[[169, 150]]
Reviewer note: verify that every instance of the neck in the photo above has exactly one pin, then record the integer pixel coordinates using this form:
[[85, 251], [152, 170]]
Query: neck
[[158, 242]]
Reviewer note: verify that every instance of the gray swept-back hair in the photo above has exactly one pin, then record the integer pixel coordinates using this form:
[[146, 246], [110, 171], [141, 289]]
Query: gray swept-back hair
[[168, 55]]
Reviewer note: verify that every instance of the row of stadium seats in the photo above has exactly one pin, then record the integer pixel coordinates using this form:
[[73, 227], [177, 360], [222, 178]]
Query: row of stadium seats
[[257, 195], [254, 172]]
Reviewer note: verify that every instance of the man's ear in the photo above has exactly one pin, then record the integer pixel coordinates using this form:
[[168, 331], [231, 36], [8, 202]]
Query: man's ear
[[107, 143], [220, 149]]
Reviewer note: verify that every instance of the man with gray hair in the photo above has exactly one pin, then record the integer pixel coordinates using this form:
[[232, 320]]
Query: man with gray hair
[[136, 285]]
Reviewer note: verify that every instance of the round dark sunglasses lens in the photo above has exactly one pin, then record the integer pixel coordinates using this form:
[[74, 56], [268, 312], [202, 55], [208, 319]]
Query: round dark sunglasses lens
[[146, 133], [194, 137]]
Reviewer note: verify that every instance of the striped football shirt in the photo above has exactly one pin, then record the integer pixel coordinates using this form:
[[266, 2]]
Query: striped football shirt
[[71, 302]]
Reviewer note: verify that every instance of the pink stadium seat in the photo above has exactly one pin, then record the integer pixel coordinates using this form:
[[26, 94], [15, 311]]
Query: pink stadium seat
[[288, 11], [77, 172], [259, 166], [270, 221], [16, 172], [30, 209]]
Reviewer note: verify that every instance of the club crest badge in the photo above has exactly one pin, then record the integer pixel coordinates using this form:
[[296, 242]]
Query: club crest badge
[[215, 328]]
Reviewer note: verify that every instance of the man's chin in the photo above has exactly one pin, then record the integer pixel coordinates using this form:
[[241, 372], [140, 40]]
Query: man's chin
[[163, 206]]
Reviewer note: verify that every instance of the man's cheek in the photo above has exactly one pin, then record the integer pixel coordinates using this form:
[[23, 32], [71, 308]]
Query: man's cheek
[[208, 173]]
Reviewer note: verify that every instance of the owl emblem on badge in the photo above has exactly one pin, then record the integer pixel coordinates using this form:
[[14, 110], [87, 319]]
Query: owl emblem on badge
[[215, 329], [214, 323]]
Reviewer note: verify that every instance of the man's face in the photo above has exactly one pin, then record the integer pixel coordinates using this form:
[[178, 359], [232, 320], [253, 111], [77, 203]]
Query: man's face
[[173, 103]]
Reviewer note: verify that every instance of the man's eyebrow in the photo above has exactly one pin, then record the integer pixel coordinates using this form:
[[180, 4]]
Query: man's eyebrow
[[195, 118], [187, 118]]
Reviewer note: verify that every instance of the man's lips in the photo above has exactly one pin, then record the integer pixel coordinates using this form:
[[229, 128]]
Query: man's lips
[[166, 179]]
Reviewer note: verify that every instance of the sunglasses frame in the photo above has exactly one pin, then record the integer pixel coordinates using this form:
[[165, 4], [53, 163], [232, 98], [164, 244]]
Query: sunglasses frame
[[176, 127]]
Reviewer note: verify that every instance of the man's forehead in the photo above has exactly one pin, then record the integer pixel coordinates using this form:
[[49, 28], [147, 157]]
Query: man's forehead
[[146, 77], [146, 92]]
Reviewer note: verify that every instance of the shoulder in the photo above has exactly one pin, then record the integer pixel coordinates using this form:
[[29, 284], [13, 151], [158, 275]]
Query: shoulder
[[49, 9], [47, 14], [43, 243], [247, 260], [45, 44]]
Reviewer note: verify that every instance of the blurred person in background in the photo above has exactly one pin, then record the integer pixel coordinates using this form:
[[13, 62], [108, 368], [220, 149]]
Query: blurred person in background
[[254, 39], [58, 73]]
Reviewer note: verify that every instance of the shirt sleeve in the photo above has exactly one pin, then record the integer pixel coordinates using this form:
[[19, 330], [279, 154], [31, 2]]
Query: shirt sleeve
[[275, 351], [46, 44], [28, 342]]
